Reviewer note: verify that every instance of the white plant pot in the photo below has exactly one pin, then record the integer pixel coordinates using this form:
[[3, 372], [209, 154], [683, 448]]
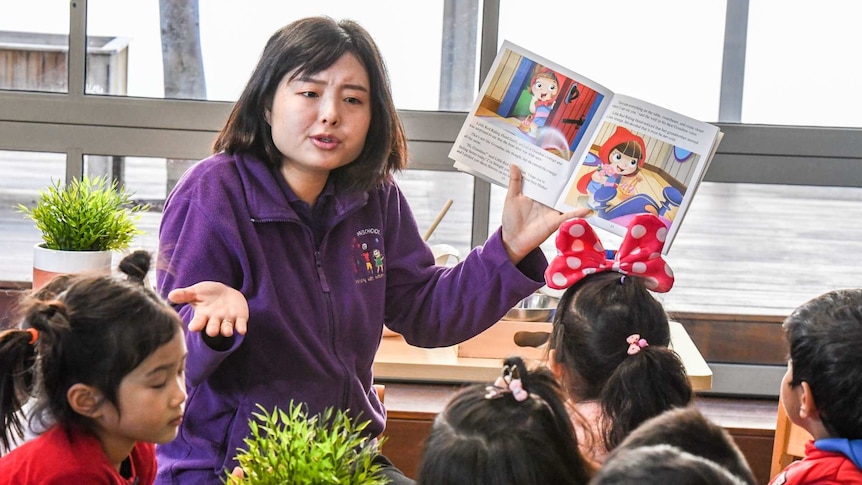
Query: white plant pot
[[48, 263]]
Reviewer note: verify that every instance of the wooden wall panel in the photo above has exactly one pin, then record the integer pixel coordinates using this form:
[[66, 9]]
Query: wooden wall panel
[[405, 442]]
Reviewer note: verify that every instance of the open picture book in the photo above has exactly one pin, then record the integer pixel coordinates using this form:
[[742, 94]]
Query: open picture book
[[579, 144]]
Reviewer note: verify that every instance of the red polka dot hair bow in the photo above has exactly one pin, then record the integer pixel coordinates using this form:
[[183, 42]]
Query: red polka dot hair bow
[[579, 253]]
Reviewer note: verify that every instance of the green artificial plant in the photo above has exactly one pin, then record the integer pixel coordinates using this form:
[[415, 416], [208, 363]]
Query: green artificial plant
[[291, 448], [90, 214]]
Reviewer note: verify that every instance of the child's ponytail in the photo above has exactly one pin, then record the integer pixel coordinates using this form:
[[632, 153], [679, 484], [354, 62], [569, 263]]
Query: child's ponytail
[[649, 381], [17, 369], [545, 389], [135, 266], [21, 369], [610, 339]]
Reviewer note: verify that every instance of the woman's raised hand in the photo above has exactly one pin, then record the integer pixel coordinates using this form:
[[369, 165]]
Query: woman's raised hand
[[527, 223]]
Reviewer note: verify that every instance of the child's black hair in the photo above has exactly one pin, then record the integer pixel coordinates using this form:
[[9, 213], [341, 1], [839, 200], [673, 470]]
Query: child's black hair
[[89, 329], [825, 337], [689, 430], [665, 464], [593, 320], [486, 438]]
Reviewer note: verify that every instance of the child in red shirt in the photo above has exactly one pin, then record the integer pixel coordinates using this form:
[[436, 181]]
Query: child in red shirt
[[822, 390], [104, 361]]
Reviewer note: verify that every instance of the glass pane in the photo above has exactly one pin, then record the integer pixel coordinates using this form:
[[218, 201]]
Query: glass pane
[[794, 50], [149, 180], [427, 193], [24, 175], [34, 39], [666, 52], [229, 49], [747, 248]]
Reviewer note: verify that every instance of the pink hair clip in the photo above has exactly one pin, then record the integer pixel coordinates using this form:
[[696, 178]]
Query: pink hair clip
[[636, 343], [508, 382]]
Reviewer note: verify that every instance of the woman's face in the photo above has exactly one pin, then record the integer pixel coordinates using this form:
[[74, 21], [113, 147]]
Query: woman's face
[[320, 120]]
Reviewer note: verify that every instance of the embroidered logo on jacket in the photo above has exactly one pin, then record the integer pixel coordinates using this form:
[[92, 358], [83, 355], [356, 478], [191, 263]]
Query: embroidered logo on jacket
[[368, 257]]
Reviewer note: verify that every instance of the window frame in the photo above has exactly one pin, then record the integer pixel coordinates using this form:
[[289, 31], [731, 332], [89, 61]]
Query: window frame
[[76, 124]]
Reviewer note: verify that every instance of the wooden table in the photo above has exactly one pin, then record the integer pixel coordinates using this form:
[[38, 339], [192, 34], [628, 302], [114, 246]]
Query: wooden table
[[398, 361]]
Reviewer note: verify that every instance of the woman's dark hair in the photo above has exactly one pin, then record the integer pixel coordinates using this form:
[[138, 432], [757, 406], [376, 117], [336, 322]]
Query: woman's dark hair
[[662, 464], [593, 319], [83, 329], [308, 46], [480, 438], [825, 336]]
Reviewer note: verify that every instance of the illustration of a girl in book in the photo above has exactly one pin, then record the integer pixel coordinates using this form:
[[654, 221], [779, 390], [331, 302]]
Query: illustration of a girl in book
[[621, 156], [544, 87]]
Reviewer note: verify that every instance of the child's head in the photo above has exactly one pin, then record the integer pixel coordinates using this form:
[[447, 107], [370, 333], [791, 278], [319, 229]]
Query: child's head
[[689, 430], [514, 432], [662, 464], [590, 350], [80, 352], [822, 388], [306, 47]]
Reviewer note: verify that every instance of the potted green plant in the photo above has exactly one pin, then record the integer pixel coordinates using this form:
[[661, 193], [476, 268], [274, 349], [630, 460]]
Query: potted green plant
[[81, 224], [288, 448]]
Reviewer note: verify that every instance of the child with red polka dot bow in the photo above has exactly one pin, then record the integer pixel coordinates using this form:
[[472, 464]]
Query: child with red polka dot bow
[[609, 343]]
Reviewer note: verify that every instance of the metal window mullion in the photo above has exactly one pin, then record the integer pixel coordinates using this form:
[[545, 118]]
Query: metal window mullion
[[733, 63], [487, 53], [76, 64]]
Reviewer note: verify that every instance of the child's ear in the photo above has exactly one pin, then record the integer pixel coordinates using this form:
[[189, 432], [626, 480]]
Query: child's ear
[[554, 365], [85, 400], [807, 406]]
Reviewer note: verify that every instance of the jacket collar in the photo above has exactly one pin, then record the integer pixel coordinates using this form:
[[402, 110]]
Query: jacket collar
[[266, 201], [852, 449]]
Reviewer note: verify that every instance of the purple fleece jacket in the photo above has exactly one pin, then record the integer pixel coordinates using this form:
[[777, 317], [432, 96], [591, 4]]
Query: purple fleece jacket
[[316, 313]]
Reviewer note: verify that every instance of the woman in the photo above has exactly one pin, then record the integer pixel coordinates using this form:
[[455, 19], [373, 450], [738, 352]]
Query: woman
[[295, 231]]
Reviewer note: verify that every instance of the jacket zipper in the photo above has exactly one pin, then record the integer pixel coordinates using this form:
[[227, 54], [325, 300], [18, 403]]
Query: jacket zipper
[[324, 285]]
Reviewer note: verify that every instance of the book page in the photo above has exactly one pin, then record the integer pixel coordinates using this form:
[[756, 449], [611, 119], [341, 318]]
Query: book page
[[642, 159], [533, 113]]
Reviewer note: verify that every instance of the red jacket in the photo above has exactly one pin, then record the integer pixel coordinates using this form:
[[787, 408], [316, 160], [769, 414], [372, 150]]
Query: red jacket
[[820, 467], [58, 457]]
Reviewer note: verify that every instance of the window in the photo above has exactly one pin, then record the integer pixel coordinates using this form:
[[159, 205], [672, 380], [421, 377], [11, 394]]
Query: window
[[33, 46], [666, 52], [24, 175], [113, 111], [798, 66], [230, 49], [427, 193]]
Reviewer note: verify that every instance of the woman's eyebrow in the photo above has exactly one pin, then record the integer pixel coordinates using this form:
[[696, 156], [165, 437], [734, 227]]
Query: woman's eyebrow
[[310, 79]]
